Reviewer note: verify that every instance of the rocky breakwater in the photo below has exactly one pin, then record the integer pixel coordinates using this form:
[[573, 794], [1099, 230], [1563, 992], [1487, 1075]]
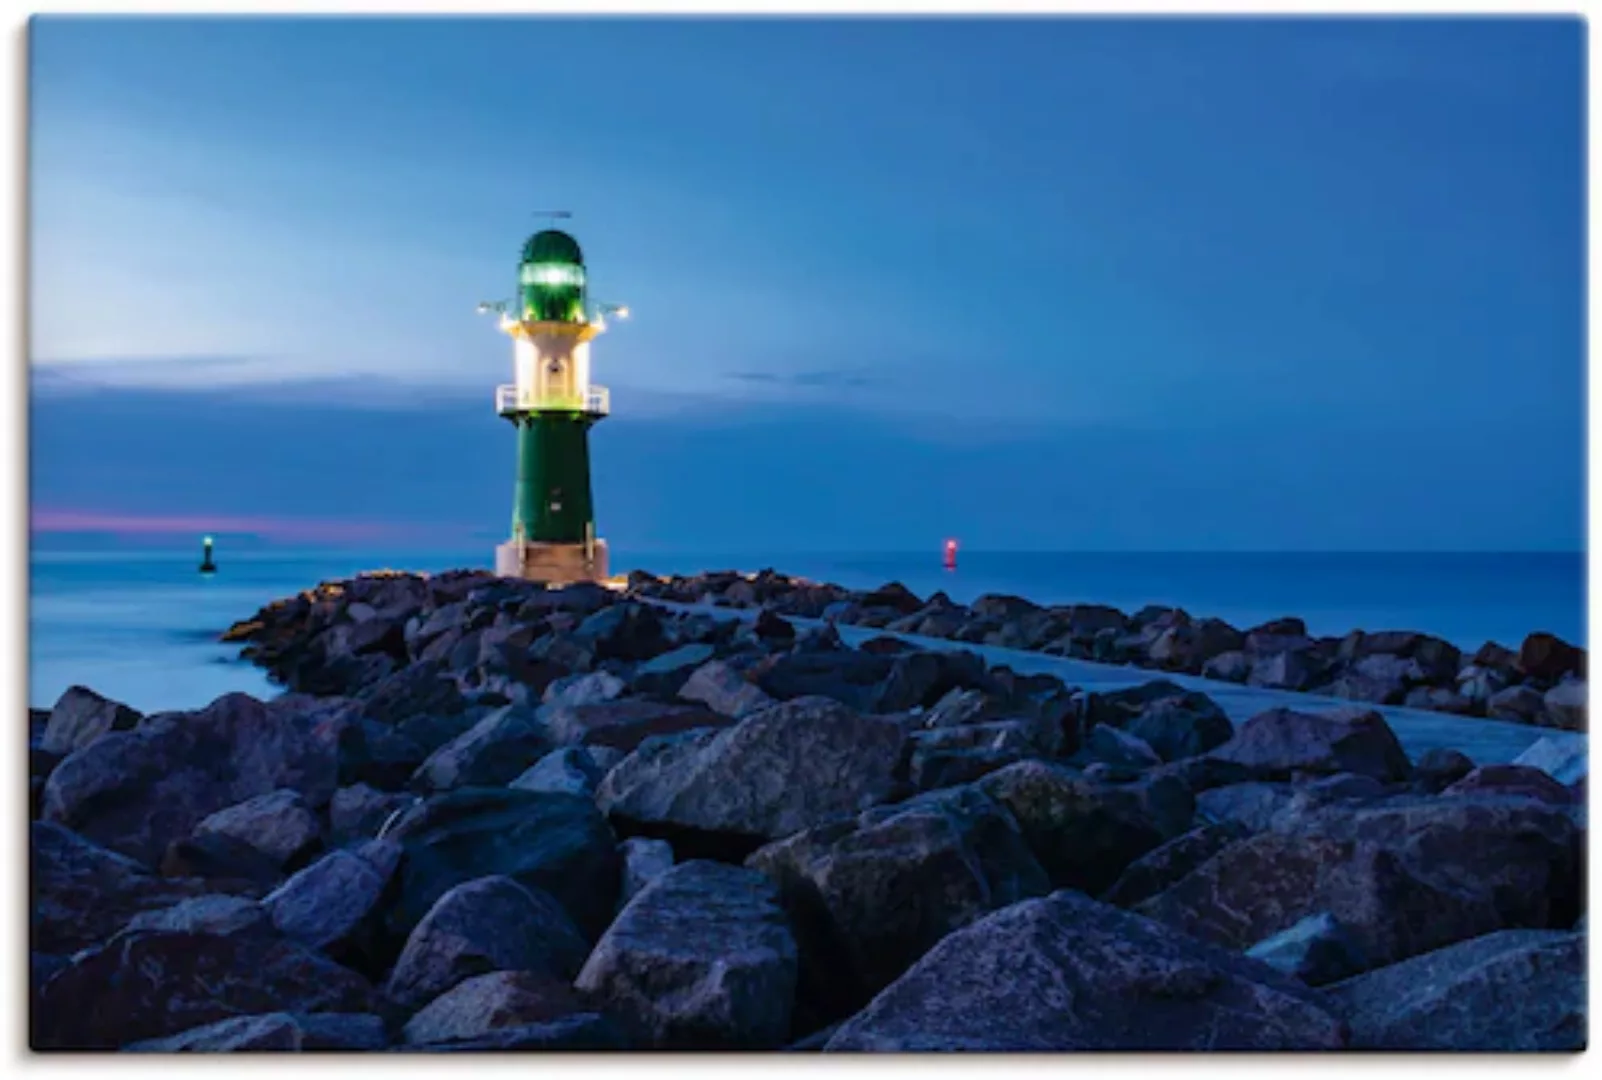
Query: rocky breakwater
[[1542, 682], [489, 816]]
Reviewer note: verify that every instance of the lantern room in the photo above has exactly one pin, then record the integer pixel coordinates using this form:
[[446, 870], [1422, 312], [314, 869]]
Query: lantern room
[[551, 280]]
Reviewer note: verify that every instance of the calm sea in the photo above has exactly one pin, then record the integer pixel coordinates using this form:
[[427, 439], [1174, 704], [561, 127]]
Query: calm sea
[[141, 625]]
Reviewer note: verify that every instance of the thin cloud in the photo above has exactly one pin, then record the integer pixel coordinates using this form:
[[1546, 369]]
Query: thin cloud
[[275, 528], [809, 379]]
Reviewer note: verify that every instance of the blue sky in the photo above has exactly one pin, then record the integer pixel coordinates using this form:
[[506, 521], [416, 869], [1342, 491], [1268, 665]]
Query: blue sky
[[1046, 284]]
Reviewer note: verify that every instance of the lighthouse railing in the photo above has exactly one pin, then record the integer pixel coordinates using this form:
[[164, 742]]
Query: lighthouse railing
[[509, 398]]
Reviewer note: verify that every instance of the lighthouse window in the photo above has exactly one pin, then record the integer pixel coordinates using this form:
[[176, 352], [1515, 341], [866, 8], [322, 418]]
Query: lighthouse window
[[552, 274]]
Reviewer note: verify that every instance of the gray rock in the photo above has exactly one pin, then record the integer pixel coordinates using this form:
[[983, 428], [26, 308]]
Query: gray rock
[[666, 674], [1548, 657], [274, 1031], [957, 851], [1066, 973], [492, 1002], [1516, 990], [644, 861], [358, 812], [585, 688], [570, 770], [1116, 747], [1282, 741], [137, 791], [490, 924], [1565, 706], [81, 716], [335, 904], [724, 691], [625, 723], [1163, 866], [83, 893], [558, 843], [491, 753], [1405, 876], [702, 958], [1293, 669], [623, 631], [212, 914], [774, 773], [1084, 832], [147, 984], [1518, 704], [1180, 725], [1233, 666], [1317, 950], [279, 825], [419, 689], [946, 757], [1253, 805], [1439, 767], [1511, 780]]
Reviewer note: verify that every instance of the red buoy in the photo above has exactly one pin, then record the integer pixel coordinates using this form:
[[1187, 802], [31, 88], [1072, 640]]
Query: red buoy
[[951, 555]]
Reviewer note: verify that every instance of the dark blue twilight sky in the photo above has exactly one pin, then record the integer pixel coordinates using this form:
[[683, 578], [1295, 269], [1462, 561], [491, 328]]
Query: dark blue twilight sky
[[1039, 284]]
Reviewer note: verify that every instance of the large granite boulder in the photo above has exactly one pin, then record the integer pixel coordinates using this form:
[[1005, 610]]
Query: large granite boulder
[[214, 913], [81, 716], [492, 1002], [849, 677], [702, 958], [1403, 877], [83, 893], [1564, 706], [774, 773], [279, 825], [489, 924], [358, 812], [723, 689], [1168, 863], [1064, 972], [1548, 658], [489, 754], [146, 984], [137, 791], [544, 840], [1515, 990], [422, 688], [1085, 832], [867, 898], [1179, 725], [1282, 741], [337, 904], [625, 723]]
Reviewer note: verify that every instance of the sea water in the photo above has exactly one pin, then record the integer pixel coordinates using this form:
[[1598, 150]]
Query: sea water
[[141, 626]]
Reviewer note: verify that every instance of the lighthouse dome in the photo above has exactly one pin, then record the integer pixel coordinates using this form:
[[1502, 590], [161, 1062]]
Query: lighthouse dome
[[552, 246]]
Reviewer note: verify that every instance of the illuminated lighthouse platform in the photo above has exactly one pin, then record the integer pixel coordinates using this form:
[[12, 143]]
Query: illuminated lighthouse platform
[[553, 404]]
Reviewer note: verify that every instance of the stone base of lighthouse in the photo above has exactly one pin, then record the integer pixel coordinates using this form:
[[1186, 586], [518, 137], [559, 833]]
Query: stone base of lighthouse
[[553, 564]]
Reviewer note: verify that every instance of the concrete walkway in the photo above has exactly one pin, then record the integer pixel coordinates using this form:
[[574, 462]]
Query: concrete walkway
[[1486, 742]]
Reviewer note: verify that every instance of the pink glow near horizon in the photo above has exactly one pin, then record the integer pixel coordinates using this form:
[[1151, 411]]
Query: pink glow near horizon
[[55, 520]]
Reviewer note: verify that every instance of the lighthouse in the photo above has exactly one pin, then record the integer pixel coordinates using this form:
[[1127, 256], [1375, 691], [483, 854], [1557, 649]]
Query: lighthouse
[[552, 404]]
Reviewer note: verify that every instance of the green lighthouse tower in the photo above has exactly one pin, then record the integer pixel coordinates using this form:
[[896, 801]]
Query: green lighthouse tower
[[553, 404]]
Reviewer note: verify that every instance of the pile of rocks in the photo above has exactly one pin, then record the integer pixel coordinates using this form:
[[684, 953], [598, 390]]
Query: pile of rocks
[[1542, 682], [487, 815]]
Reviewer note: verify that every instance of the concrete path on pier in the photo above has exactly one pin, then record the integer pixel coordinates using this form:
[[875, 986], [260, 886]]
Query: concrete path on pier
[[1486, 742]]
